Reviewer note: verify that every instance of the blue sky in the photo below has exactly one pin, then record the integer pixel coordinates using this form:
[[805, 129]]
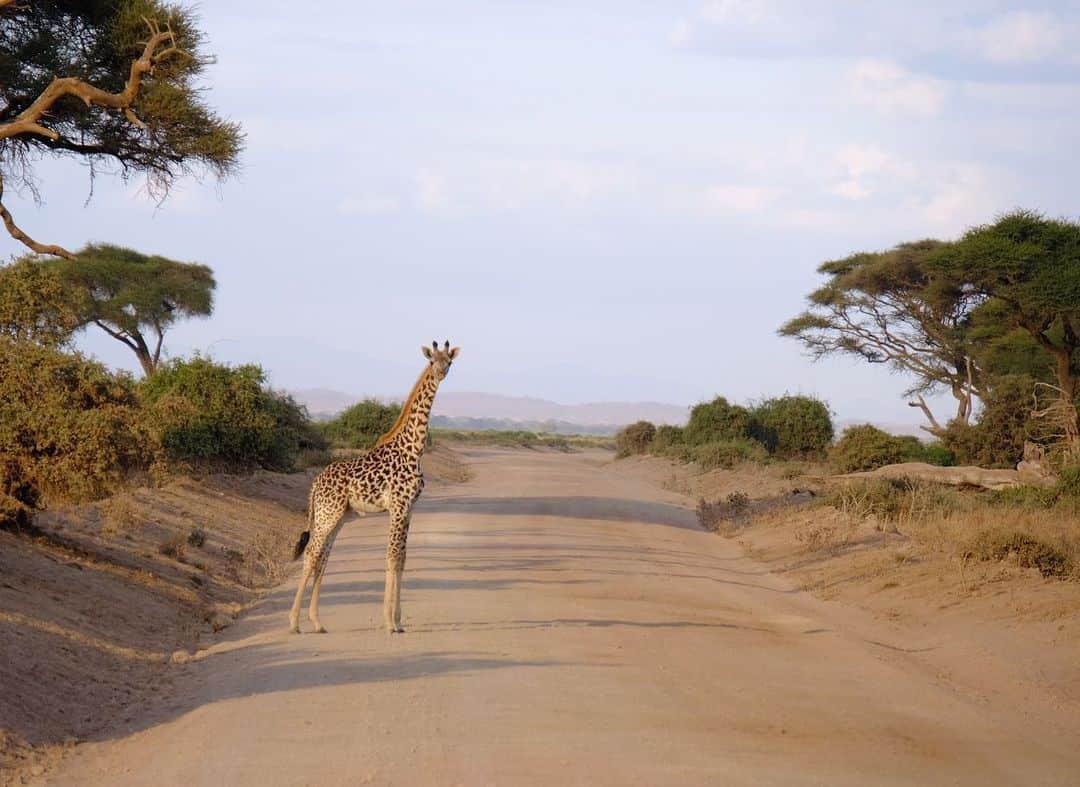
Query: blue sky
[[598, 201]]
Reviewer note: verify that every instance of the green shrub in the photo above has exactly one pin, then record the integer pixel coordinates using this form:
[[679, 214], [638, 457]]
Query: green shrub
[[715, 421], [936, 453], [215, 415], [996, 439], [361, 425], [69, 429], [866, 447], [1068, 483], [634, 438], [793, 426], [669, 441], [727, 453]]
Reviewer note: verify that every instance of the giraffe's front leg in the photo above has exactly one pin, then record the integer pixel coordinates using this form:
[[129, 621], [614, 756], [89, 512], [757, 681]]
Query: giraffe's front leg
[[395, 568]]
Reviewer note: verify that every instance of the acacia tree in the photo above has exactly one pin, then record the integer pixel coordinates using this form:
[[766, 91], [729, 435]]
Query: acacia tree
[[891, 308], [133, 297], [106, 82], [1026, 268]]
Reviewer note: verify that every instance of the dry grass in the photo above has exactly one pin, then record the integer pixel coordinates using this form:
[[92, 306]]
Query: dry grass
[[1029, 532], [120, 515]]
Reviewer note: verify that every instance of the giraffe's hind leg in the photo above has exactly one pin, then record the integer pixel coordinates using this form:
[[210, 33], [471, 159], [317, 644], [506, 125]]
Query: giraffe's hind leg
[[294, 613], [316, 554], [320, 569]]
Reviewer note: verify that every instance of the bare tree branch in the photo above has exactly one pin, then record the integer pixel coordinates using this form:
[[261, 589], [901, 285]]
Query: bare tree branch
[[160, 45], [23, 238], [119, 335], [935, 427]]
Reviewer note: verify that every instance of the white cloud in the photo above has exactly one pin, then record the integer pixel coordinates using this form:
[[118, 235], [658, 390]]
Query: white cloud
[[1021, 37], [890, 89], [737, 12], [862, 166], [730, 198], [851, 189], [965, 196], [777, 22]]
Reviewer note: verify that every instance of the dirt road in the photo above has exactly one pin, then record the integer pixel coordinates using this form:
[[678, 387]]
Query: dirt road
[[567, 625]]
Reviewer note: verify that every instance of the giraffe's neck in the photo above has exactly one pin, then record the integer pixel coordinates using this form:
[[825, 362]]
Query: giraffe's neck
[[410, 436]]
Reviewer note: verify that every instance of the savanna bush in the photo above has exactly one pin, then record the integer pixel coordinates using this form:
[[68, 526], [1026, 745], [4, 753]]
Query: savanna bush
[[361, 425], [727, 453], [718, 420], [634, 438], [792, 426], [70, 430], [213, 415], [996, 438], [669, 441], [865, 447]]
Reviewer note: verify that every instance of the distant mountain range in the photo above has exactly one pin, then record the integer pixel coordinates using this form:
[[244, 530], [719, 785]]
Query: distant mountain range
[[481, 411], [527, 412]]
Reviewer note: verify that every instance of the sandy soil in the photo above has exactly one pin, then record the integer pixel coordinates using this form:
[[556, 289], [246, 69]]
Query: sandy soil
[[569, 623], [97, 609]]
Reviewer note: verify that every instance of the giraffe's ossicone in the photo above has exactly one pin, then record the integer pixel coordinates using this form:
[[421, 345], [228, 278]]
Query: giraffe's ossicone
[[386, 478]]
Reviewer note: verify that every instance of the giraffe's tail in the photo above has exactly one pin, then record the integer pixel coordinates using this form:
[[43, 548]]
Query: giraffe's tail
[[301, 544]]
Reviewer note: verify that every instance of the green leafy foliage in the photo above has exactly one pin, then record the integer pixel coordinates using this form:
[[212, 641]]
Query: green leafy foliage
[[669, 441], [634, 438], [793, 426], [894, 308], [218, 416], [134, 297], [361, 425], [996, 439], [1026, 268], [97, 42], [69, 429], [727, 453], [865, 447], [715, 421], [35, 304]]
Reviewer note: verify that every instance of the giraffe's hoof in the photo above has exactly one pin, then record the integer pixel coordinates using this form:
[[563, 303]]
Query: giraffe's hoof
[[320, 630], [294, 629]]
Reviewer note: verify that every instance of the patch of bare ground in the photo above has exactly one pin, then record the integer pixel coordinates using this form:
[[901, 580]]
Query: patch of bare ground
[[1010, 624], [103, 604]]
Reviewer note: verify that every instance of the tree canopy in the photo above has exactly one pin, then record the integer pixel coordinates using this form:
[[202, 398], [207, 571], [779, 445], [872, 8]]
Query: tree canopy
[[109, 82], [999, 308], [1026, 268], [134, 297], [890, 308]]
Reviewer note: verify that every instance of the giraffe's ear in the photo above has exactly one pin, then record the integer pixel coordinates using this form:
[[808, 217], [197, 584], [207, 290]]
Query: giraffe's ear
[[427, 352], [454, 353]]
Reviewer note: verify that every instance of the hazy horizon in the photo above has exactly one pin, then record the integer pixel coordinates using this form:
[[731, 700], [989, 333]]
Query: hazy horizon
[[608, 202]]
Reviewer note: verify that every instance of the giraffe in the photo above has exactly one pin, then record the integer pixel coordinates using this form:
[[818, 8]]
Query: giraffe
[[387, 478]]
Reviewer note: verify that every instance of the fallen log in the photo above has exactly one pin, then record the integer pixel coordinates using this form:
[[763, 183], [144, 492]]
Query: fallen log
[[966, 475]]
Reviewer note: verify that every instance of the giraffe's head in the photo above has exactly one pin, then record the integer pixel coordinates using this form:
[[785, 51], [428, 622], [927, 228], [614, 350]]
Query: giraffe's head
[[441, 359]]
